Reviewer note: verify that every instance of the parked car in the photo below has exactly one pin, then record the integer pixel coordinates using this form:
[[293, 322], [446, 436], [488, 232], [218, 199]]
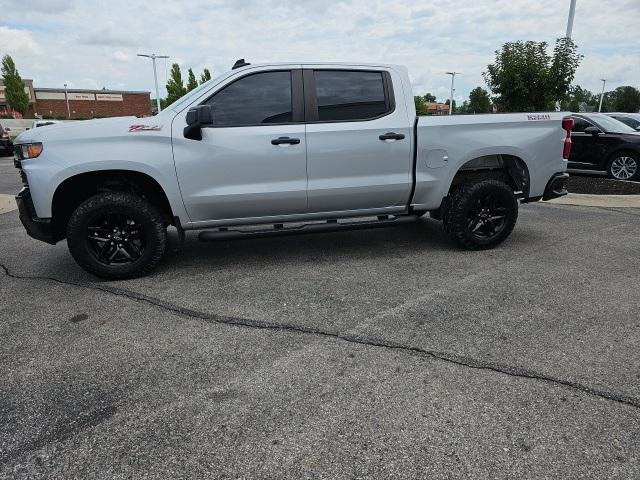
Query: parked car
[[630, 119], [317, 144], [6, 146], [604, 143]]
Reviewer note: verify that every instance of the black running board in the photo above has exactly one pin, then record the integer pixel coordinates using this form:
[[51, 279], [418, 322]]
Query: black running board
[[279, 229]]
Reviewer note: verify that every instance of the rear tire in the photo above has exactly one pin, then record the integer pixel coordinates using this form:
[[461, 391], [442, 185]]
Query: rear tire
[[624, 166], [117, 235], [480, 215]]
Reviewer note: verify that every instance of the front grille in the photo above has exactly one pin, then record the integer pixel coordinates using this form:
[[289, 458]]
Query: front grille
[[23, 177]]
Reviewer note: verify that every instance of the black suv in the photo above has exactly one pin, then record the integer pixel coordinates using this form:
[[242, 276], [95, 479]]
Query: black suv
[[6, 147], [600, 142]]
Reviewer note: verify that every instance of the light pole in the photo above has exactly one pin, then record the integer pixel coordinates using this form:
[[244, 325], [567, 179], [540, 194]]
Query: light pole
[[66, 97], [603, 80], [153, 57], [453, 76], [572, 11]]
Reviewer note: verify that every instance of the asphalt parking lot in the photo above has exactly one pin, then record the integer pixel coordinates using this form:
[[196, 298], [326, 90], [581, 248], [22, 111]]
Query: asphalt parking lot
[[382, 353]]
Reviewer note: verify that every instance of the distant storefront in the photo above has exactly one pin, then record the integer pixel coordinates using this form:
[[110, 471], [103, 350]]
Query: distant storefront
[[81, 103]]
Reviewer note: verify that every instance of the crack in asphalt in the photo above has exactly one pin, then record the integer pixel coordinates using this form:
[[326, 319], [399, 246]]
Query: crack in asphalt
[[248, 323], [61, 432]]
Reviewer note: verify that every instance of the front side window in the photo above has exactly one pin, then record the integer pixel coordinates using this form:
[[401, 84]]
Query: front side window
[[349, 95], [580, 124], [261, 98]]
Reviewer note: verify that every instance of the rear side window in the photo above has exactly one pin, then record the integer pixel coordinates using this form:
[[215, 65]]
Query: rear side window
[[350, 95], [632, 122], [262, 98]]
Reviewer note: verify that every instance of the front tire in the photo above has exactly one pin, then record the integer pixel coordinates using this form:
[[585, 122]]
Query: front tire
[[117, 235], [480, 215], [624, 166]]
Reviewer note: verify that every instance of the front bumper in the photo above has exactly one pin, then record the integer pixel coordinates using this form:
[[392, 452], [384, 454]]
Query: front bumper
[[38, 228], [556, 187]]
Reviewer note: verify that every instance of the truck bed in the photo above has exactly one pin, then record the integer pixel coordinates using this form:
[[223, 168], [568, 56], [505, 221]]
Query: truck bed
[[446, 144]]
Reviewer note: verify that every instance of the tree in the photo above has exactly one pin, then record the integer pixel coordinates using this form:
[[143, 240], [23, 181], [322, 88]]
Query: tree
[[464, 108], [454, 105], [626, 99], [524, 77], [428, 98], [191, 81], [479, 101], [205, 76], [14, 92], [175, 86], [579, 97], [421, 108], [421, 103]]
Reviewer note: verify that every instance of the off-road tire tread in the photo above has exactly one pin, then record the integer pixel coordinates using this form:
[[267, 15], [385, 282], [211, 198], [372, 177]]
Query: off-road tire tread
[[454, 220], [154, 221]]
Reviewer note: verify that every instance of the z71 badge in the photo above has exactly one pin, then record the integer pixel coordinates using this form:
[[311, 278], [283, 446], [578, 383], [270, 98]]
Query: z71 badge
[[145, 128]]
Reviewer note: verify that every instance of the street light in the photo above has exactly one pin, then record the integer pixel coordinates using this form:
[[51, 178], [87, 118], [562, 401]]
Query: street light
[[453, 76], [572, 11], [603, 80], [153, 57], [66, 97]]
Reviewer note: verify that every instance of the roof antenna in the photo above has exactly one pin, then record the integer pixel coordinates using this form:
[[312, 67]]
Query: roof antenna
[[239, 63]]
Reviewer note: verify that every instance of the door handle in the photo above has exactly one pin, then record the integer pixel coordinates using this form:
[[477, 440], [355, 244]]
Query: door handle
[[285, 140], [391, 136]]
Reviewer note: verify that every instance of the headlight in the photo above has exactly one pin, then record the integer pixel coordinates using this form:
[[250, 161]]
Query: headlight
[[29, 150]]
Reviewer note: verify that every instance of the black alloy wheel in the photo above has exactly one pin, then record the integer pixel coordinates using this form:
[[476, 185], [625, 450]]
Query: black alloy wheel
[[116, 238], [487, 217]]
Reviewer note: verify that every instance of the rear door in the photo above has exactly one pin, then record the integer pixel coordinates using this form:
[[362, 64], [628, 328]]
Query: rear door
[[251, 162], [358, 140]]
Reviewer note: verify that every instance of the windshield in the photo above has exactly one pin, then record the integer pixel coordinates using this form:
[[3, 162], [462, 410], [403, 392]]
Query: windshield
[[611, 125], [175, 106]]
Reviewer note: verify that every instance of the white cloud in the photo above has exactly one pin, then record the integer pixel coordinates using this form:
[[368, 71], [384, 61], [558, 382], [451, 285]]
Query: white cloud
[[99, 41], [18, 42]]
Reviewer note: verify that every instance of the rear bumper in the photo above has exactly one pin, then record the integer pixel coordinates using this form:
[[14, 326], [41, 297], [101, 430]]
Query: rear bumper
[[38, 228], [556, 187]]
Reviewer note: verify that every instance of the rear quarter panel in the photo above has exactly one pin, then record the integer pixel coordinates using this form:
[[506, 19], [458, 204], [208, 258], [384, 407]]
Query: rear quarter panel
[[537, 139]]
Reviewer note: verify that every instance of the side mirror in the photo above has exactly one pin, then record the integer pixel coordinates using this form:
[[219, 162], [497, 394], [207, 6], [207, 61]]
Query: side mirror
[[198, 117], [592, 131]]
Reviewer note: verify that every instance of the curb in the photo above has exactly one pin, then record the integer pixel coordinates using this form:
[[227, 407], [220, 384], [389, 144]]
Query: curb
[[7, 203], [589, 200]]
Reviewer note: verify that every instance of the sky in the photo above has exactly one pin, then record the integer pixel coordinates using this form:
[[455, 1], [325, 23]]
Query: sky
[[93, 43]]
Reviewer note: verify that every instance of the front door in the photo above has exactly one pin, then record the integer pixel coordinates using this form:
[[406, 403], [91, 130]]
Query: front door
[[252, 161], [358, 141], [584, 146]]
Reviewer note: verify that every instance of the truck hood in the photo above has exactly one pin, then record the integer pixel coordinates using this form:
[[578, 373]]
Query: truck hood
[[81, 129]]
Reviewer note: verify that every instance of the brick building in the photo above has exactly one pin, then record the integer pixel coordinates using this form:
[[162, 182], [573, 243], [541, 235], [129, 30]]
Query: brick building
[[435, 108], [52, 102]]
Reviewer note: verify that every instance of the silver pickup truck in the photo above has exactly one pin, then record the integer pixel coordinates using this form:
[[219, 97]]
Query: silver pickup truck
[[296, 148]]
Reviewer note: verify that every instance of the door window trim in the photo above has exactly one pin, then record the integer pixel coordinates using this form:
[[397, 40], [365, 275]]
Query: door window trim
[[297, 99], [591, 124], [311, 98]]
